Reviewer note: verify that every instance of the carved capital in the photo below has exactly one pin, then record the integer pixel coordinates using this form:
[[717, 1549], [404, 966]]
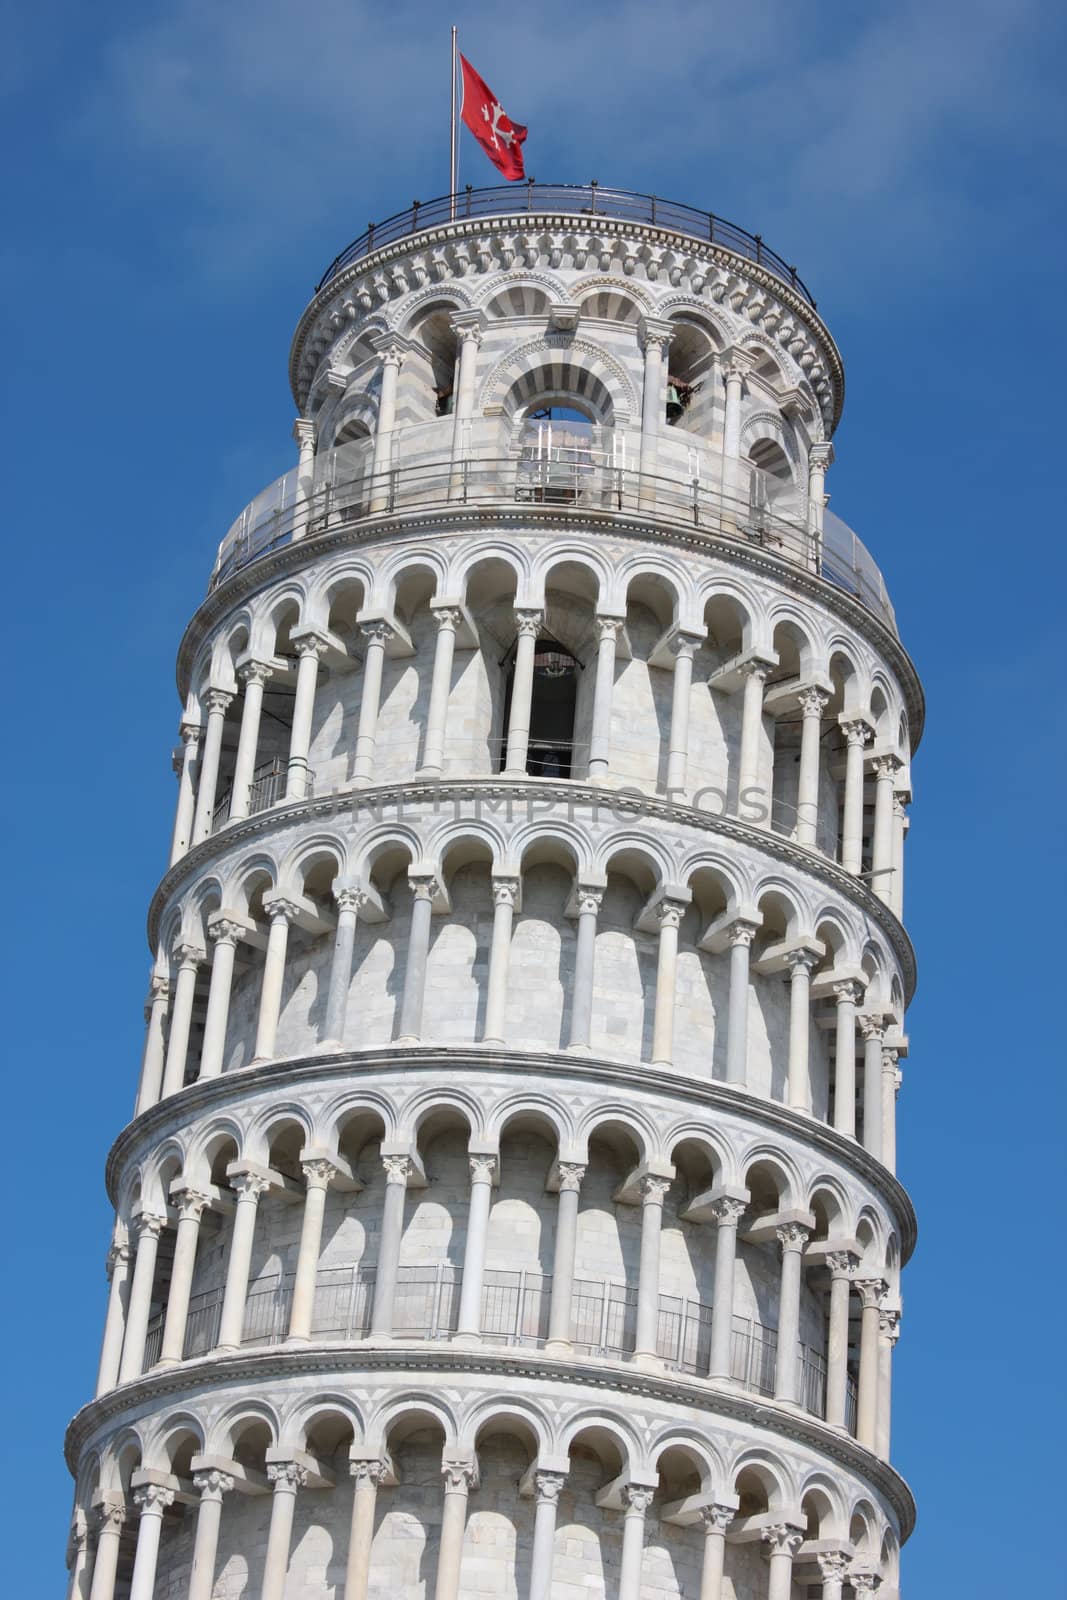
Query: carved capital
[[188, 955], [653, 1190], [249, 1186], [110, 1516], [425, 887], [221, 930], [213, 1484], [118, 1255], [841, 1263], [813, 702], [589, 901], [570, 1177], [218, 702], [318, 1174], [792, 1236], [716, 1519], [459, 1476], [158, 988], [848, 992], [447, 618], [870, 1291], [832, 1564], [149, 1223], [528, 623], [397, 1169], [482, 1168], [255, 672], [370, 1472], [756, 669], [669, 913], [857, 732], [288, 1476], [742, 932], [192, 1203], [378, 633], [311, 644], [152, 1499], [801, 961], [607, 628], [727, 1210], [783, 1539], [549, 1486], [889, 1325], [190, 736], [279, 909], [637, 1497], [872, 1026], [820, 457], [864, 1580], [506, 892], [350, 899]]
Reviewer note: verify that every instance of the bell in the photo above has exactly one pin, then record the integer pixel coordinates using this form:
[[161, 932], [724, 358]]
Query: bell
[[674, 404]]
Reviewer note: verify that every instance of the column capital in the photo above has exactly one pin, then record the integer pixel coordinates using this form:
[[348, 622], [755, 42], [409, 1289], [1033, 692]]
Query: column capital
[[152, 1499], [119, 1253], [368, 1470], [188, 955], [482, 1168], [871, 1291], [754, 667], [149, 1222], [842, 1263], [304, 432], [218, 701], [717, 1518], [832, 1564], [588, 899], [783, 1538], [255, 672], [287, 1475], [225, 930], [848, 991], [872, 1025], [653, 1189], [636, 1498], [864, 1580], [607, 627], [792, 1236], [350, 899], [213, 1484], [109, 1515], [468, 326], [548, 1486], [311, 643], [191, 1202], [741, 931], [857, 730], [398, 1169], [425, 885], [392, 348], [889, 1324], [886, 765], [657, 332], [669, 913], [820, 456], [446, 617], [813, 701], [683, 645], [460, 1476], [279, 909], [319, 1172], [801, 960], [189, 732], [377, 631], [249, 1185], [727, 1210], [506, 891], [158, 987], [528, 622], [571, 1174]]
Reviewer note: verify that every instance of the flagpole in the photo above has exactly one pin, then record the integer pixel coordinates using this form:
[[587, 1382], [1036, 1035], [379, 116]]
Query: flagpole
[[452, 138]]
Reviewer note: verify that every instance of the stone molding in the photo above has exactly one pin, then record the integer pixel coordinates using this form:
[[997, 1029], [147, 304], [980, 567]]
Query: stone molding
[[623, 1382], [203, 1095]]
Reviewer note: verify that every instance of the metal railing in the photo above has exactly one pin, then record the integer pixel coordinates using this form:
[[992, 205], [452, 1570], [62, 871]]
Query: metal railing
[[514, 1311], [583, 200], [267, 788], [579, 467]]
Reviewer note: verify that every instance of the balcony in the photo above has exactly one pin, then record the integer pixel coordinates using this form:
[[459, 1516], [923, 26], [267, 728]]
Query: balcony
[[583, 200], [267, 789], [568, 466], [515, 1307]]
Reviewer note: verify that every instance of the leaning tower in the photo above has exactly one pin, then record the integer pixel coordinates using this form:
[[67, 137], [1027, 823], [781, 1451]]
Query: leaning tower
[[508, 1207]]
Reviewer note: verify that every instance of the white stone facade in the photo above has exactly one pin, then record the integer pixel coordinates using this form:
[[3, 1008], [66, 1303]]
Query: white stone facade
[[509, 1205]]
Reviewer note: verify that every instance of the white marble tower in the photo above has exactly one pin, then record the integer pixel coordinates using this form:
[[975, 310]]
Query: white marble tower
[[509, 1206]]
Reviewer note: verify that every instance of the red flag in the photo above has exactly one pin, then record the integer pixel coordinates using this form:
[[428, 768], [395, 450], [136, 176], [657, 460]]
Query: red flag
[[499, 137]]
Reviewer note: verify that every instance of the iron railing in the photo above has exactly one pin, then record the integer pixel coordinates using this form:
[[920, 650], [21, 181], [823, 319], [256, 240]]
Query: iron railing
[[578, 467], [267, 788], [514, 1311], [583, 200]]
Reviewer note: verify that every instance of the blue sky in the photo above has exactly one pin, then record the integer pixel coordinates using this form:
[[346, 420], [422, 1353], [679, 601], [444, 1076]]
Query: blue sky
[[177, 179]]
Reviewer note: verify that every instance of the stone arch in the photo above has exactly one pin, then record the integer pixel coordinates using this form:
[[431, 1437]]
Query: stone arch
[[518, 296], [410, 1409], [560, 364]]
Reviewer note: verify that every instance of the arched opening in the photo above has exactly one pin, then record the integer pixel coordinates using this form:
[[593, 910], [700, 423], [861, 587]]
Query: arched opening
[[553, 706]]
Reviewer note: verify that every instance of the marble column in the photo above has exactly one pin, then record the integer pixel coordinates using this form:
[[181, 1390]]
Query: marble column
[[636, 1500], [653, 1194], [885, 774], [529, 626], [900, 828], [118, 1272], [459, 1478], [871, 1292], [559, 1312], [211, 1486], [872, 1027], [846, 995], [110, 1519], [792, 1238], [683, 648], [833, 1569], [888, 1334], [669, 914], [217, 702], [189, 958], [248, 1188], [856, 733], [282, 914], [589, 903], [397, 1171], [310, 648], [191, 1207], [287, 1477], [841, 1264], [469, 1316], [656, 336], [78, 1562], [182, 836], [304, 434], [603, 693], [318, 1175], [715, 1519], [548, 1486], [349, 903], [377, 634], [741, 935], [820, 458], [505, 899], [226, 935], [726, 1213], [424, 888], [468, 326], [392, 352], [447, 619], [891, 1077], [150, 1086], [783, 1542], [800, 964], [255, 676], [813, 703], [367, 1475], [151, 1500], [749, 792], [149, 1226]]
